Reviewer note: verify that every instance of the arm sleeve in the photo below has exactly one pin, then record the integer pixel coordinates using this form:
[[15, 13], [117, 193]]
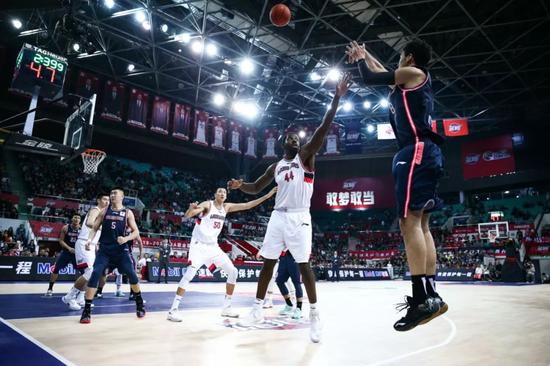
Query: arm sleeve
[[376, 78]]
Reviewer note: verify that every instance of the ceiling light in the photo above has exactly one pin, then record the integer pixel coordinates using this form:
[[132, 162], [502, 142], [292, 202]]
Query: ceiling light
[[197, 46], [130, 67], [140, 16], [246, 109], [16, 23], [334, 74], [183, 37], [146, 25], [348, 106], [366, 104], [218, 99], [247, 66], [314, 76], [384, 103], [211, 49], [302, 134], [109, 3], [76, 47], [164, 28], [370, 128]]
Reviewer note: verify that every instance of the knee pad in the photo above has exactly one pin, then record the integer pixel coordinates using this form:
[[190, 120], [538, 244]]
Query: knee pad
[[187, 277], [232, 275], [87, 273]]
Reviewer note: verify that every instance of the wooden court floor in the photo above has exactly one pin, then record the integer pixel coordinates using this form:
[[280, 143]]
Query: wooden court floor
[[485, 325]]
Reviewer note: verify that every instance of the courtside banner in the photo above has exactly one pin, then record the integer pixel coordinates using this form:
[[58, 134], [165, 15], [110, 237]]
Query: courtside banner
[[249, 273], [32, 269], [487, 157], [176, 270], [450, 274], [353, 193], [361, 274], [456, 127]]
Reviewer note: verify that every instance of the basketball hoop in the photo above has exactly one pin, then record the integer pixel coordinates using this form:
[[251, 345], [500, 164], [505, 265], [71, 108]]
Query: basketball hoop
[[91, 159]]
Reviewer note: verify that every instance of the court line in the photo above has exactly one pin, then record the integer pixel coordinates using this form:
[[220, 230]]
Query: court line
[[422, 350], [38, 343]]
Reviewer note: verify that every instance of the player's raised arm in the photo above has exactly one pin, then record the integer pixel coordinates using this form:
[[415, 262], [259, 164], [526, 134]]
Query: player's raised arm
[[254, 187], [316, 142], [131, 220], [234, 207], [195, 209]]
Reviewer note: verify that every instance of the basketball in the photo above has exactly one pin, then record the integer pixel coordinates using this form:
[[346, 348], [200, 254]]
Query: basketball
[[280, 15]]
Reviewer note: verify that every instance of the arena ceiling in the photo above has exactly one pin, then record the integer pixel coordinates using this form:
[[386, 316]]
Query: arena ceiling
[[490, 57]]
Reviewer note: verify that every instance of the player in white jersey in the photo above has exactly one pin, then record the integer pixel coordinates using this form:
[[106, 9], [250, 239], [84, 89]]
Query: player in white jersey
[[204, 249], [85, 254], [290, 224]]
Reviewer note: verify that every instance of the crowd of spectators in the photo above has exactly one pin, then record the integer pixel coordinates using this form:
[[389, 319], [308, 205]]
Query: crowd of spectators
[[17, 242]]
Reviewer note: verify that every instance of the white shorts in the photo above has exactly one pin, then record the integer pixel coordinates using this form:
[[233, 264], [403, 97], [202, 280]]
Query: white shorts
[[207, 254], [84, 258], [288, 230]]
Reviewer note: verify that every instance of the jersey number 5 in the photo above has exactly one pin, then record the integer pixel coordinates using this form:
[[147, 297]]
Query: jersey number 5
[[289, 177], [113, 225]]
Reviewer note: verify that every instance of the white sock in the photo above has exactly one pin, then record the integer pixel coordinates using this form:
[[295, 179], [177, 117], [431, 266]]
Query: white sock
[[258, 303], [227, 301], [73, 293], [176, 303]]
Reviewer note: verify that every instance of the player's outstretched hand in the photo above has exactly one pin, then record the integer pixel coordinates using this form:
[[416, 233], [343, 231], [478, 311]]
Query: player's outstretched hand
[[121, 240], [355, 52], [344, 84], [193, 205], [234, 184], [71, 250], [272, 192]]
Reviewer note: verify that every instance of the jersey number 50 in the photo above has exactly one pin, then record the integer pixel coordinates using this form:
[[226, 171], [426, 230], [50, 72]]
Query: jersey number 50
[[217, 224]]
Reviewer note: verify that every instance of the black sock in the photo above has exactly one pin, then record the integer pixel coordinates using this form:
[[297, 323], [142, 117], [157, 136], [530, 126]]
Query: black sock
[[430, 286], [99, 290], [139, 300], [87, 305], [50, 286], [288, 302], [418, 289], [299, 305]]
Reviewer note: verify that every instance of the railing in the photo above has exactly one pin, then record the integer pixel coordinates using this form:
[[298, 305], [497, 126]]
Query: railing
[[46, 218]]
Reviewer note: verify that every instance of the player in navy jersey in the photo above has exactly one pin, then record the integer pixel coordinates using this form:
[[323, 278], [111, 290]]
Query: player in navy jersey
[[113, 250], [67, 240], [416, 168]]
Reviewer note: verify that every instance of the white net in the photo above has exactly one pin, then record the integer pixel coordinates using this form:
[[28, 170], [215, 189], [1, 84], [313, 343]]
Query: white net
[[91, 159]]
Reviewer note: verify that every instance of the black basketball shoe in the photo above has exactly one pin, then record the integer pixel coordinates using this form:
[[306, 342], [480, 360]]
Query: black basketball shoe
[[140, 309], [86, 317], [443, 307], [416, 313]]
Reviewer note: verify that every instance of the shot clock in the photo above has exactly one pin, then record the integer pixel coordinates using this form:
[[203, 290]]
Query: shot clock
[[37, 67]]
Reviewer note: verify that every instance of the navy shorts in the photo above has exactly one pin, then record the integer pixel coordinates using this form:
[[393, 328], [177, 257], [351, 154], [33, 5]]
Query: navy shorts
[[289, 269], [113, 256], [416, 171], [63, 261]]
